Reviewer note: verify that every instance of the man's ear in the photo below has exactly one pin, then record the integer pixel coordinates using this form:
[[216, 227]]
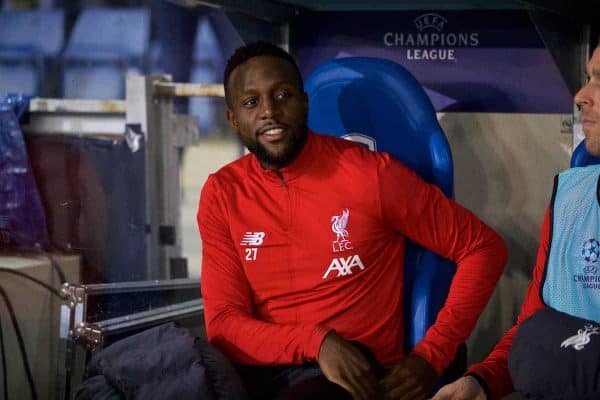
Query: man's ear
[[232, 120]]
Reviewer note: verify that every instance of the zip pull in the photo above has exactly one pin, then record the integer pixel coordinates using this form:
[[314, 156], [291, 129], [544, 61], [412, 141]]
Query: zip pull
[[280, 175]]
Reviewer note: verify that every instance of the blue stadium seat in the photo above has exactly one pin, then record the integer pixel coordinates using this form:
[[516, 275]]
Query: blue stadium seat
[[379, 103], [229, 37], [30, 42], [206, 58], [93, 82], [105, 45], [581, 158], [19, 78]]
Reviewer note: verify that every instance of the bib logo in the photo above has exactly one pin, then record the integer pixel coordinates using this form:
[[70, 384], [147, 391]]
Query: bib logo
[[431, 42], [344, 266], [338, 226], [590, 251]]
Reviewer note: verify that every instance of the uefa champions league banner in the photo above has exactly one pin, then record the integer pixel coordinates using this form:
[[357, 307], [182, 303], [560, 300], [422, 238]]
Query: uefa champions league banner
[[467, 61]]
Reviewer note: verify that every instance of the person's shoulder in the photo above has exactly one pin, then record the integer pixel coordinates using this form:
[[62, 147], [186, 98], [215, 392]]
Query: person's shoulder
[[229, 175], [235, 170], [577, 175], [588, 169]]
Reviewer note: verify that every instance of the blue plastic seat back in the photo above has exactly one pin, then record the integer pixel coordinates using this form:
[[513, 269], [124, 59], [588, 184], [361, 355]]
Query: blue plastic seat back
[[204, 108], [380, 103], [206, 58], [581, 158], [105, 45], [102, 82], [23, 33], [18, 78], [29, 42], [110, 34], [206, 44]]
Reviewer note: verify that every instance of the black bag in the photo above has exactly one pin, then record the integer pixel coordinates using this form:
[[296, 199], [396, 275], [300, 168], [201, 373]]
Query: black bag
[[165, 362], [556, 356]]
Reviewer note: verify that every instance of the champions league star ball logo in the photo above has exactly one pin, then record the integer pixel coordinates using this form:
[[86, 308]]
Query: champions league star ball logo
[[591, 251]]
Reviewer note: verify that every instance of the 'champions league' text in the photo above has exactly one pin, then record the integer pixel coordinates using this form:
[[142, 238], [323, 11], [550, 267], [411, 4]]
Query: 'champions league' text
[[430, 46], [588, 281], [431, 42]]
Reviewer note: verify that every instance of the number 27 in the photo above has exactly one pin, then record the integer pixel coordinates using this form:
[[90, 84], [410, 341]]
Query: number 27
[[251, 254]]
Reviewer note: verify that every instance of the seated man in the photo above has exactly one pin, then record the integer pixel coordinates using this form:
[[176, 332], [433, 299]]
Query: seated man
[[303, 244], [562, 292]]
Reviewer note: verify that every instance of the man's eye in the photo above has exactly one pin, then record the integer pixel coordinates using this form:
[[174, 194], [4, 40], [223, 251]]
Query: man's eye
[[283, 94], [249, 102]]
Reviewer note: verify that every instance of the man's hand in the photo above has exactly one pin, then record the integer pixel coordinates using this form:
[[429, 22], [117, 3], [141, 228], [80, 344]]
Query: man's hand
[[465, 388], [411, 379], [343, 363]]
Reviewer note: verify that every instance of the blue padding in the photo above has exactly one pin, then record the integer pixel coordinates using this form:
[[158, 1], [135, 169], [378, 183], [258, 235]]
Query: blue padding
[[582, 158], [227, 34], [204, 108], [30, 41], [18, 78], [105, 44], [206, 44], [94, 82], [40, 31], [207, 56], [110, 33], [382, 100]]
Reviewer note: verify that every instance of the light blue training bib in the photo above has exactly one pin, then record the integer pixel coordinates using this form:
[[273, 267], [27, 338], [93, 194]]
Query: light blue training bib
[[572, 278]]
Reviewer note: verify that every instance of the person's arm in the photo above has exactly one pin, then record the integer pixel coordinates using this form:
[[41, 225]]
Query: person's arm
[[421, 212], [228, 308], [494, 369], [466, 388]]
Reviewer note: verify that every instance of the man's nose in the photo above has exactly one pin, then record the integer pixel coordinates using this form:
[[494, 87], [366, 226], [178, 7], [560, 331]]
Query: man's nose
[[582, 97], [268, 109]]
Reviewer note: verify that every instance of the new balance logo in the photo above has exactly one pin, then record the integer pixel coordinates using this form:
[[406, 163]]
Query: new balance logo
[[253, 239], [343, 266]]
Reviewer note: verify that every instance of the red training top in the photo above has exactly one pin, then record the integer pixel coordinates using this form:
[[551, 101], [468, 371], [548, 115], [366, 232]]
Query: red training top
[[494, 369], [289, 256]]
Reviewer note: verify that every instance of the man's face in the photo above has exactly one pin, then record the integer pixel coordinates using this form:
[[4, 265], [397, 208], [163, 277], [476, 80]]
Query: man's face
[[588, 98], [268, 109]]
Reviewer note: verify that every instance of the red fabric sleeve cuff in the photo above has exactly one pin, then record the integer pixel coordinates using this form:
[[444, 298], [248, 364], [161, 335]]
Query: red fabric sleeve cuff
[[314, 342], [424, 351], [498, 383]]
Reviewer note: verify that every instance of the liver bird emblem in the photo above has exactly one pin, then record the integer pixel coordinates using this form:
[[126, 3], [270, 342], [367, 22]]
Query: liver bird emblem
[[338, 225], [582, 337]]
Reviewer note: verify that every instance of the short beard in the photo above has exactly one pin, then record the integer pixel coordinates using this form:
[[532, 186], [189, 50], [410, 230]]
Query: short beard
[[272, 161]]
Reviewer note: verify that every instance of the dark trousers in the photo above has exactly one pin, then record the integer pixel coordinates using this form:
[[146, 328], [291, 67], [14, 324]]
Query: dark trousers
[[297, 382]]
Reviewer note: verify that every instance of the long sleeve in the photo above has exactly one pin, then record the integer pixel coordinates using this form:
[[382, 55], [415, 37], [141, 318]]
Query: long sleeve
[[422, 213], [228, 307], [494, 369]]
